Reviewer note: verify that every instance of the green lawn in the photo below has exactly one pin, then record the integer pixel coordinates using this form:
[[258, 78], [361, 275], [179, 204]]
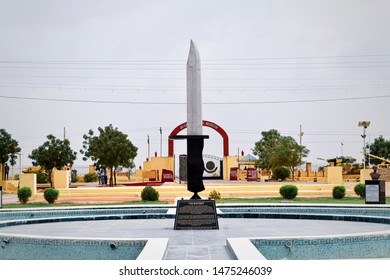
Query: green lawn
[[71, 204], [323, 200], [317, 200]]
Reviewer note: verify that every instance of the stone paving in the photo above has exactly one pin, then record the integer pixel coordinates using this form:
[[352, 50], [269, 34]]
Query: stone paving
[[195, 244]]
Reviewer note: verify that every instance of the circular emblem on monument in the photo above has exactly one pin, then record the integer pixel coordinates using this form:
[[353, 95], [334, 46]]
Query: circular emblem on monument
[[210, 167]]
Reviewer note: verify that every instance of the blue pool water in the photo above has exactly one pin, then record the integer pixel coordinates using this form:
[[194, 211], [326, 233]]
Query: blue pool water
[[341, 247], [367, 245]]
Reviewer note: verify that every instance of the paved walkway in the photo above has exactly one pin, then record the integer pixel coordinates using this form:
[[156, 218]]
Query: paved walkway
[[195, 244], [10, 199]]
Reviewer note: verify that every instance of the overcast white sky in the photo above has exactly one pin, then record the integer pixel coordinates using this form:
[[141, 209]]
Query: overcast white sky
[[260, 61]]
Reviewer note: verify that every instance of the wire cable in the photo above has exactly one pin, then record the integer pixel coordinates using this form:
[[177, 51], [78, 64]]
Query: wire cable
[[205, 103]]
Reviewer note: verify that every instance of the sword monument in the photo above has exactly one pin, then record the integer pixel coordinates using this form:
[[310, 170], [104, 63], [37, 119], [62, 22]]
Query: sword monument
[[196, 209]]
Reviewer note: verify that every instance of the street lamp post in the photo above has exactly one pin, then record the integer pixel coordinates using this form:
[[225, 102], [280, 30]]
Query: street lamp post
[[364, 124]]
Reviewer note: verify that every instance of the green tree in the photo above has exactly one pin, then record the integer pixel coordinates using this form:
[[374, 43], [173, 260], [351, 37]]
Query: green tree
[[380, 148], [265, 148], [275, 150], [289, 153], [53, 153], [8, 150], [111, 149]]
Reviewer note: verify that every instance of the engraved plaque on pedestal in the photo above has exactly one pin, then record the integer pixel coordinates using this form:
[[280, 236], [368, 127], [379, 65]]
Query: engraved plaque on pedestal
[[375, 192], [196, 214]]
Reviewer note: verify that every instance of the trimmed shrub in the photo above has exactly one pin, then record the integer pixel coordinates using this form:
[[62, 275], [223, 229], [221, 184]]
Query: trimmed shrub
[[288, 191], [360, 190], [24, 194], [51, 195], [281, 173], [215, 195], [338, 192], [91, 177], [149, 194]]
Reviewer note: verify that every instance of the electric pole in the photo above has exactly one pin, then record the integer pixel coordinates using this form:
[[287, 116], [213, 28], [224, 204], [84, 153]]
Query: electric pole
[[148, 148], [300, 145], [160, 141]]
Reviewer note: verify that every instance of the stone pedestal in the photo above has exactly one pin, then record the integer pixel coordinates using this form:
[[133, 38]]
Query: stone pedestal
[[375, 192], [335, 175], [30, 181], [61, 179]]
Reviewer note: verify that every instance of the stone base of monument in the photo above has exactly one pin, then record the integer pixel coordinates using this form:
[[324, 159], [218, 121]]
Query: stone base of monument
[[375, 192], [196, 214]]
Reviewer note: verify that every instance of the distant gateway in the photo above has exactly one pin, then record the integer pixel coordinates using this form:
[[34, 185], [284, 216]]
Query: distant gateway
[[212, 125]]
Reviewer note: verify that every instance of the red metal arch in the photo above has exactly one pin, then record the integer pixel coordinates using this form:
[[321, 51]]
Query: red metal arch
[[212, 125]]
